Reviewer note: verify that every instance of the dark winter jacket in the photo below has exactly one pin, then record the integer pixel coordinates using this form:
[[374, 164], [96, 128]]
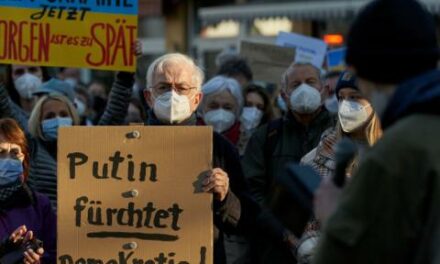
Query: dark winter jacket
[[34, 210], [389, 213]]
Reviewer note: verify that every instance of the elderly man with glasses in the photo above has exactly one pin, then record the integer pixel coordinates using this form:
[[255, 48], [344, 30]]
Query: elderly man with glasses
[[173, 93]]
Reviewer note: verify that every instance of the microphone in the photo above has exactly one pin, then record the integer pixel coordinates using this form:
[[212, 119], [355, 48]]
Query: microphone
[[345, 150]]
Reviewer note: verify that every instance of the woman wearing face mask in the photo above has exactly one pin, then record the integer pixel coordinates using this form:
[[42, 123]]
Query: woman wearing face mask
[[25, 214], [43, 170], [22, 81], [257, 111], [50, 113], [357, 121], [42, 133], [221, 107]]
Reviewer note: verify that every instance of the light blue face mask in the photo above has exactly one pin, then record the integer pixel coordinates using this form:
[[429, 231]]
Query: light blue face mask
[[10, 171], [50, 127]]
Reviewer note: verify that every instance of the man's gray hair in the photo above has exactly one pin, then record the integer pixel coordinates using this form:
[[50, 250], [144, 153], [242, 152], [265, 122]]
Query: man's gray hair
[[284, 78], [160, 63]]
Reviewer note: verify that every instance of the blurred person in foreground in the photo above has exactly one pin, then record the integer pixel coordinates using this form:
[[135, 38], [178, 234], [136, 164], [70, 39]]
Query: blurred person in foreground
[[24, 214], [389, 212]]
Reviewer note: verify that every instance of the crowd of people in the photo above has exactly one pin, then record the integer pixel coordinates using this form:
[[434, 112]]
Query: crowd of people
[[386, 103]]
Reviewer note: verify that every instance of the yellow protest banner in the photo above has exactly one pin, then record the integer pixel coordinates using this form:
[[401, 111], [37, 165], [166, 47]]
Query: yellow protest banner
[[133, 195], [94, 34]]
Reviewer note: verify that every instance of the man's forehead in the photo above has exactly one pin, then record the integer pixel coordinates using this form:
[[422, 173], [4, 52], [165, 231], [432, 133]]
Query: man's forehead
[[303, 71], [175, 72]]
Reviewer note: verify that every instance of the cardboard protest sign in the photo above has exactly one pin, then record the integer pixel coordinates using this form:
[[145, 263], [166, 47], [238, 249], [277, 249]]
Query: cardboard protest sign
[[336, 59], [133, 195], [267, 62], [308, 49], [72, 33]]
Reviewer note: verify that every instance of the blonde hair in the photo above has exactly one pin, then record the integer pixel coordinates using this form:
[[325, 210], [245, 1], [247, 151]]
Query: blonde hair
[[34, 122]]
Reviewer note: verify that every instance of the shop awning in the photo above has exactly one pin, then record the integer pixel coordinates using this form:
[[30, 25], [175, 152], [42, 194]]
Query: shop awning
[[317, 10]]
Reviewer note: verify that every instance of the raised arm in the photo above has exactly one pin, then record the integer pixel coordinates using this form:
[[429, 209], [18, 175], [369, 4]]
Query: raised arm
[[119, 99], [11, 110]]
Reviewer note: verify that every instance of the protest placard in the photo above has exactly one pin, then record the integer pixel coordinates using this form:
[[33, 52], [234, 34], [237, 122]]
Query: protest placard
[[308, 49], [72, 33], [336, 59], [133, 195], [267, 61]]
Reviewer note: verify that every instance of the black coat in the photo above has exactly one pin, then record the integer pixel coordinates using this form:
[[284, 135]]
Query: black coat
[[236, 213]]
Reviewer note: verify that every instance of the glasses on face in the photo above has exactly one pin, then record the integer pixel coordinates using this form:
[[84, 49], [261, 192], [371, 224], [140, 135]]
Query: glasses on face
[[180, 89]]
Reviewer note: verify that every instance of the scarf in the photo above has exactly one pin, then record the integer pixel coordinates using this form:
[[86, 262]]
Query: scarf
[[7, 192]]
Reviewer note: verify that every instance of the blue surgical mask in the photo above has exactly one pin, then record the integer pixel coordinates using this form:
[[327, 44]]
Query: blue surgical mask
[[10, 171], [50, 127]]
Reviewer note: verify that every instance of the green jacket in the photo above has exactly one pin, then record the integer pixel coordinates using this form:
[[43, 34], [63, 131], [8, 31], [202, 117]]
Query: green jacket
[[269, 150], [391, 208]]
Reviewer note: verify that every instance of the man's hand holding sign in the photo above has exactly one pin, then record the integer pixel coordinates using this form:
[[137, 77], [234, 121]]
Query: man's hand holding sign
[[217, 182]]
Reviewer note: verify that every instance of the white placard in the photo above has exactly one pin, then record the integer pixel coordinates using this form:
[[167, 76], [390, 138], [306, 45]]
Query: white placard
[[308, 49]]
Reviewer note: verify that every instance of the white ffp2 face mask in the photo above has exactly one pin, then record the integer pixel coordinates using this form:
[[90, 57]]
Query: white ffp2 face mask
[[250, 117], [305, 99], [220, 119], [331, 104], [171, 107], [26, 85], [352, 115]]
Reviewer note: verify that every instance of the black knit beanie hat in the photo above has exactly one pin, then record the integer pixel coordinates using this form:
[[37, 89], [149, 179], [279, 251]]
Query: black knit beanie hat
[[392, 40], [346, 80]]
